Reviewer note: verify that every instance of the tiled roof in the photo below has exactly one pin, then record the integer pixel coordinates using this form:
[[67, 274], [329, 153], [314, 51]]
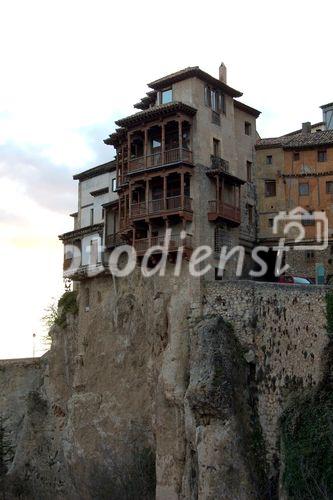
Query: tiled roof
[[155, 112], [100, 169], [190, 72], [297, 140], [323, 138]]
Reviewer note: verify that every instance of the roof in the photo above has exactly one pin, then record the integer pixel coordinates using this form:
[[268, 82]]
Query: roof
[[71, 235], [247, 109], [190, 72], [110, 166], [298, 140], [329, 105], [155, 112], [323, 138]]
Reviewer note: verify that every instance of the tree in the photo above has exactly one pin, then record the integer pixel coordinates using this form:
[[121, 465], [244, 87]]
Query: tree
[[6, 455]]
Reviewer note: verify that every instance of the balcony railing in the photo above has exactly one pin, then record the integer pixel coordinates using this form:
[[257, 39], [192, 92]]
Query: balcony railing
[[172, 203], [217, 162], [113, 240], [123, 222], [143, 244], [224, 210], [159, 158]]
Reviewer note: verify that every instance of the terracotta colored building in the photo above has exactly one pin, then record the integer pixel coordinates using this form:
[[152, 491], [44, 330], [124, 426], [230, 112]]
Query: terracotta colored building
[[296, 170]]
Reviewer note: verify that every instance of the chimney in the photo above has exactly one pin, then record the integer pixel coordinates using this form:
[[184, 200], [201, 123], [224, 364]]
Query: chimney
[[306, 128], [223, 73], [328, 115]]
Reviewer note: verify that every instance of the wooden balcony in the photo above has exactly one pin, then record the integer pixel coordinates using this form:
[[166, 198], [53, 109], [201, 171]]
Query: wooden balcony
[[113, 240], [142, 245], [158, 159], [161, 206], [229, 213]]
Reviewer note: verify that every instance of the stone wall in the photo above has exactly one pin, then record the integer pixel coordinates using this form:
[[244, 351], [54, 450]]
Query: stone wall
[[283, 331]]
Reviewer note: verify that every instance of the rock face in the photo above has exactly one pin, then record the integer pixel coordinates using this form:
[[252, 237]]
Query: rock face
[[161, 388]]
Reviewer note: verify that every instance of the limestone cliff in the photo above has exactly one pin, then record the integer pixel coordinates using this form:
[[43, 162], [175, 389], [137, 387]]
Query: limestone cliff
[[164, 383]]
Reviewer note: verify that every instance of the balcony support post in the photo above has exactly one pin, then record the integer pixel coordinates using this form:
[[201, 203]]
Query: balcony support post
[[130, 199], [217, 193], [149, 234], [145, 150], [163, 141], [165, 187], [180, 138], [128, 151], [147, 195]]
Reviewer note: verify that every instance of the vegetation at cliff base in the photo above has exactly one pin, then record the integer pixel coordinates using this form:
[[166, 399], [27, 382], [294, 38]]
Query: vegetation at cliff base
[[307, 437]]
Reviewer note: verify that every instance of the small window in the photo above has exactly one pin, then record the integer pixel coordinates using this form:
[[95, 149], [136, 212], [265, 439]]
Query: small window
[[269, 160], [322, 155], [114, 185], [249, 171], [270, 222], [218, 276], [166, 96], [216, 147], [247, 128], [296, 156], [270, 188], [329, 187], [91, 216], [303, 189]]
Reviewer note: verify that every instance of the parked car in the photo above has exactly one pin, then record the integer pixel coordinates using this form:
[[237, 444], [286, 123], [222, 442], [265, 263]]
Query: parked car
[[292, 279]]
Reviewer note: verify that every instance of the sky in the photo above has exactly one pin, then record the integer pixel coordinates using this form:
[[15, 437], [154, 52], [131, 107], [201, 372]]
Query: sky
[[70, 68]]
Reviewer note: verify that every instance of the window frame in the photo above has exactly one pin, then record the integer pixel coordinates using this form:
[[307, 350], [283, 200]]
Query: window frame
[[269, 159], [329, 183], [114, 185], [299, 189], [162, 94], [249, 171], [267, 193], [296, 156], [322, 152], [248, 128]]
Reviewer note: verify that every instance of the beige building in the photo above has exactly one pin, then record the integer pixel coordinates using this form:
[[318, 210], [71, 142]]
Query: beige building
[[185, 161]]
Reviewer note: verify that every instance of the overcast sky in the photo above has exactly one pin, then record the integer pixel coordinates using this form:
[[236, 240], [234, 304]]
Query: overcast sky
[[70, 68]]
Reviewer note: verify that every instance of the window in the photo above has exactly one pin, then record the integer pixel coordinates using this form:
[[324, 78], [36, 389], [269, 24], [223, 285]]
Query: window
[[303, 189], [296, 156], [270, 188], [269, 160], [322, 155], [306, 221], [247, 128], [114, 185], [249, 171], [216, 147], [166, 96], [329, 187], [91, 216], [215, 99], [270, 222]]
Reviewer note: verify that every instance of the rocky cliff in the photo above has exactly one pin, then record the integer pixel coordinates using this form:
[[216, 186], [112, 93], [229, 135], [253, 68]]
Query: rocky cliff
[[165, 388]]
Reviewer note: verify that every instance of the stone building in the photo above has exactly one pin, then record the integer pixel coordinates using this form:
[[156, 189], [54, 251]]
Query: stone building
[[296, 170], [185, 161]]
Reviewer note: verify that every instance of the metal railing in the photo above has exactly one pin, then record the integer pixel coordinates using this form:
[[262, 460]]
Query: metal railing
[[217, 162], [113, 240]]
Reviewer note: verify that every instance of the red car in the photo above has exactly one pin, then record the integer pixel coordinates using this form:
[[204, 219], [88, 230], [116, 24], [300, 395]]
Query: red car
[[295, 279]]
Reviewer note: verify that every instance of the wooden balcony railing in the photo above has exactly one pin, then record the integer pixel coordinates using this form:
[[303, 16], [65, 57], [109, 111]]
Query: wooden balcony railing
[[224, 210], [123, 222], [113, 240], [159, 158], [172, 203], [143, 244]]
